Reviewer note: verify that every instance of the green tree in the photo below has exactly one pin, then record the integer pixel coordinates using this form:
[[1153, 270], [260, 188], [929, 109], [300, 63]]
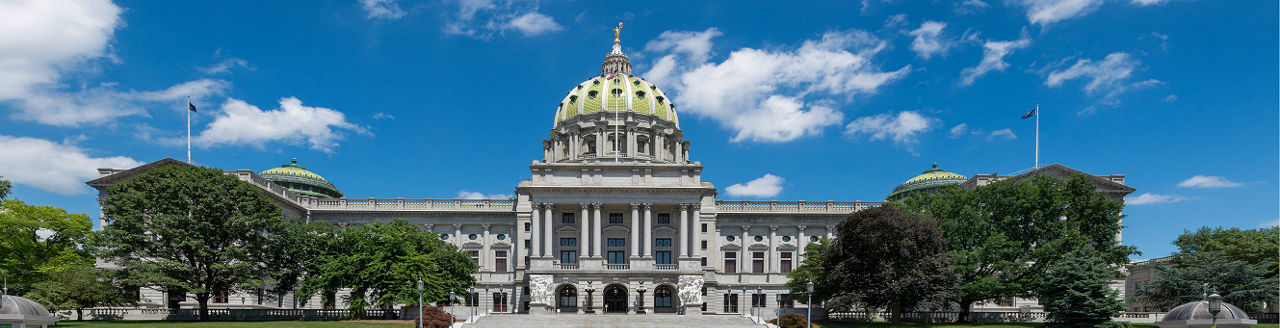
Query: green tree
[[37, 241], [189, 229], [77, 288], [1255, 246], [1004, 236], [810, 270], [887, 258], [1245, 285], [1077, 292], [382, 262], [291, 249], [5, 187]]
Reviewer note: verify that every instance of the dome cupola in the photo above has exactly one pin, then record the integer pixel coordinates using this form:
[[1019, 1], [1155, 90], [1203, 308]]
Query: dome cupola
[[932, 179], [301, 181], [616, 90]]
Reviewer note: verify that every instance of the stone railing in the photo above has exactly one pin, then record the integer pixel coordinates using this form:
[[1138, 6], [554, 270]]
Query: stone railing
[[567, 266], [239, 314], [749, 206], [666, 266], [988, 317], [497, 205], [617, 266]]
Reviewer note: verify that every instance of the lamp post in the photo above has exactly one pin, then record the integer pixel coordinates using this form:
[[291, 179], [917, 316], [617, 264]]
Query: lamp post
[[760, 308], [452, 299], [420, 303], [471, 295], [808, 319], [590, 300], [744, 294], [640, 308], [1215, 306]]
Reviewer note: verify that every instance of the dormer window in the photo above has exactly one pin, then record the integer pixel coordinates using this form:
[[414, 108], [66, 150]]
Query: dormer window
[[636, 82], [617, 81], [595, 82], [660, 99], [573, 99], [639, 94], [592, 94], [616, 92]]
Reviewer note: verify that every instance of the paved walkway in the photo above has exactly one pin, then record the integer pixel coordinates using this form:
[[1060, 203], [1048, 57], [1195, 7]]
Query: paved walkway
[[611, 320]]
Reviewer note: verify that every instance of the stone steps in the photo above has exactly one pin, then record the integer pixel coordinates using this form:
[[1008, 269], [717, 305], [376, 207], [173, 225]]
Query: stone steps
[[610, 320]]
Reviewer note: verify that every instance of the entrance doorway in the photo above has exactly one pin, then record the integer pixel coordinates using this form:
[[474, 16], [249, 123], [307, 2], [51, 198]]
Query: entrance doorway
[[500, 302], [567, 299], [615, 299], [663, 300]]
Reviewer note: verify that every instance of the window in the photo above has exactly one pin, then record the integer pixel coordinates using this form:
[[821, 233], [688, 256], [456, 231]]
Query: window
[[616, 242], [567, 218], [662, 297], [662, 257], [568, 241], [758, 300], [475, 257], [786, 239], [813, 239], [662, 242], [757, 262], [616, 92], [731, 303], [573, 99], [639, 94], [729, 238], [759, 239], [568, 257], [704, 244], [704, 227], [664, 218], [219, 296], [472, 236], [786, 262], [617, 257], [444, 236], [785, 302], [592, 94], [502, 236], [640, 146], [500, 261], [615, 218], [730, 262], [526, 243], [704, 263], [526, 226]]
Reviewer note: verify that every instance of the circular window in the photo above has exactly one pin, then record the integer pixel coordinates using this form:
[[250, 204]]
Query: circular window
[[759, 238], [813, 238], [444, 236], [502, 237], [730, 238], [786, 238], [472, 236]]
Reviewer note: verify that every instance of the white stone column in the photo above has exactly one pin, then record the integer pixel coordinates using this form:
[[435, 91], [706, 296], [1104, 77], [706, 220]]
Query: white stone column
[[746, 253], [583, 231], [599, 231], [801, 242], [684, 231], [695, 243], [658, 142], [770, 255], [549, 230], [648, 230], [635, 230], [457, 235], [535, 222], [485, 257]]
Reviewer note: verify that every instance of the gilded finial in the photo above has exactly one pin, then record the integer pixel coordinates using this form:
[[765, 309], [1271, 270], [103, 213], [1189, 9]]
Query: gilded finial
[[616, 32]]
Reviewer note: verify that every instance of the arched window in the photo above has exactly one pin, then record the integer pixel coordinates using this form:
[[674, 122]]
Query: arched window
[[616, 92], [590, 143]]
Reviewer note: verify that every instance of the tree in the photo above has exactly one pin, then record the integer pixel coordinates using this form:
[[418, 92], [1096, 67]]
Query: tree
[[1077, 292], [810, 270], [5, 187], [1004, 236], [77, 288], [189, 229], [885, 257], [1255, 246], [381, 262], [38, 241], [1240, 283], [290, 253]]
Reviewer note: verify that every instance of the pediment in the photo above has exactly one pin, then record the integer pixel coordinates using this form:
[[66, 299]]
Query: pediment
[[617, 229], [786, 247], [730, 247], [665, 229], [472, 244], [759, 247], [567, 229]]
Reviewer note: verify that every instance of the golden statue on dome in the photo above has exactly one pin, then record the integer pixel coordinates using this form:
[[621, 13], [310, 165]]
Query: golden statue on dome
[[616, 32]]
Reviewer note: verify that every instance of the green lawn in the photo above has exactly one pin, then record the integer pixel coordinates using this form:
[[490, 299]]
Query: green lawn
[[952, 325], [243, 324]]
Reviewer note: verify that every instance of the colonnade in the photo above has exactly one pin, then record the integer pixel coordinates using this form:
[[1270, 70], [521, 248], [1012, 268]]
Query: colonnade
[[591, 229]]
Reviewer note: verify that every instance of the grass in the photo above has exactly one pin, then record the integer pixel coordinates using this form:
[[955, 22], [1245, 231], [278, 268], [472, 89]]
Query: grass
[[831, 324], [239, 324]]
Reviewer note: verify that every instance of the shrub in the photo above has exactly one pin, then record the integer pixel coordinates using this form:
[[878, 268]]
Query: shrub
[[435, 318], [792, 320]]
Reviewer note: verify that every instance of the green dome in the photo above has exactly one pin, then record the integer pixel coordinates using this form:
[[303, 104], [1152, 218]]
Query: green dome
[[930, 180], [300, 181], [616, 90]]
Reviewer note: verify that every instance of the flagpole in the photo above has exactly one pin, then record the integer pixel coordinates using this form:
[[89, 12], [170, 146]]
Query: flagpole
[[1037, 164], [188, 110]]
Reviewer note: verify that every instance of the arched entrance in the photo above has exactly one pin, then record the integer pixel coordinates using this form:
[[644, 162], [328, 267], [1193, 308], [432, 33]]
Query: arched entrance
[[664, 299], [567, 299], [615, 299]]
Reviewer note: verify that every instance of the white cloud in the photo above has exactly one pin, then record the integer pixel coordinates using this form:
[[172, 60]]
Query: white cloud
[[904, 128], [766, 186], [533, 24], [1005, 133], [774, 95], [239, 123], [1171, 98], [225, 66], [959, 130], [993, 53], [1208, 181], [929, 40], [970, 7], [54, 167], [1269, 223], [1148, 2], [463, 194], [382, 9], [895, 21], [1107, 78], [1045, 12], [1150, 198], [103, 103], [381, 115]]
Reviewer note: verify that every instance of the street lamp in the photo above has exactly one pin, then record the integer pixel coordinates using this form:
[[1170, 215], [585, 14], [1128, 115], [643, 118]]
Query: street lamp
[[1215, 306], [471, 295], [420, 303], [452, 299], [808, 319], [760, 308]]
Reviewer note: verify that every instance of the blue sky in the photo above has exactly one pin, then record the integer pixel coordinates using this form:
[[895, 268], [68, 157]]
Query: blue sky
[[802, 101]]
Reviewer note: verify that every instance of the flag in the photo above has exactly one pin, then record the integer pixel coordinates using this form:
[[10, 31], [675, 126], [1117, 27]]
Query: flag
[[1031, 113], [191, 107]]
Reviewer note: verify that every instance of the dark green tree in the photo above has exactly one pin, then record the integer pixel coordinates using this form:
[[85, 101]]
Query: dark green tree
[[38, 241], [1077, 292], [1245, 285], [1003, 237], [810, 269], [5, 187], [886, 258], [189, 229], [1255, 246], [77, 288], [382, 262], [292, 248]]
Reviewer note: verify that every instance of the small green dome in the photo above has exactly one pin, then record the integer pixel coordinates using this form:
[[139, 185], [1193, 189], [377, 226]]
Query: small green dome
[[930, 180], [301, 181]]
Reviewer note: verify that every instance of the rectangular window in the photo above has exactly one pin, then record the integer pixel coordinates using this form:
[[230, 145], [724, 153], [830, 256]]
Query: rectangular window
[[664, 218], [757, 262], [704, 227], [566, 218], [615, 218], [731, 303], [617, 257], [730, 262], [617, 242], [568, 241], [704, 244], [662, 257], [662, 242], [475, 257], [527, 226], [219, 296], [758, 300], [784, 301], [704, 261], [785, 266], [500, 261], [527, 243], [568, 257]]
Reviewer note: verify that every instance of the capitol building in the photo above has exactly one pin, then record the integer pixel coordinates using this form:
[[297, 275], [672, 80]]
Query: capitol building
[[615, 218]]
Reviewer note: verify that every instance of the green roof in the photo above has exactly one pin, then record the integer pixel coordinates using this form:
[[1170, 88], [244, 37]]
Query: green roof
[[301, 181], [930, 179], [622, 93]]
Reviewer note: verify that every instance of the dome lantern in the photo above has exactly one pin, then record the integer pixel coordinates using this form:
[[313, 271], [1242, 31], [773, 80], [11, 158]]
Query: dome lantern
[[301, 181], [930, 180]]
